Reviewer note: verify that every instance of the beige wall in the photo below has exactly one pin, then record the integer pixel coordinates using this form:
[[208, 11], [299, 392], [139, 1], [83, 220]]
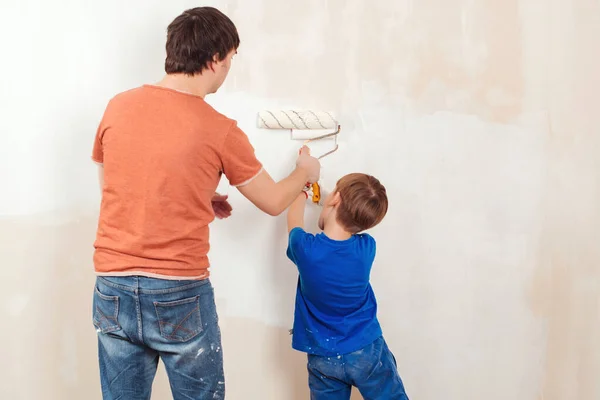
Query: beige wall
[[480, 117]]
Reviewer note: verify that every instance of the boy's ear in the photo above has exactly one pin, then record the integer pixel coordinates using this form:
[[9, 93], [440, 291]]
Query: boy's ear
[[336, 199]]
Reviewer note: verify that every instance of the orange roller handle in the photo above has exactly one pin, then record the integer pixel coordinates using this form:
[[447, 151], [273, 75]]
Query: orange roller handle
[[316, 198]]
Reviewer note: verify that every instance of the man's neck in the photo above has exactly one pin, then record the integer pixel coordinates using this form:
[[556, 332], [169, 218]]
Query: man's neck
[[195, 85]]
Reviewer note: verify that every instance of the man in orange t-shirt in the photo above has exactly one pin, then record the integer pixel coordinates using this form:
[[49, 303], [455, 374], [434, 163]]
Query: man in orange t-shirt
[[162, 150]]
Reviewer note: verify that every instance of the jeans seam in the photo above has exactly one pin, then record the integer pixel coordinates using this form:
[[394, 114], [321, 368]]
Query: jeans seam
[[104, 317], [380, 352], [346, 375]]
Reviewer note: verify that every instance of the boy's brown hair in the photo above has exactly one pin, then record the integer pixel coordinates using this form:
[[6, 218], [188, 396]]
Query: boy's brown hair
[[195, 37], [364, 202]]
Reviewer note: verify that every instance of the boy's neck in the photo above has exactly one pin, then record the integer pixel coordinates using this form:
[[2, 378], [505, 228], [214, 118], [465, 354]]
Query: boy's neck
[[335, 231]]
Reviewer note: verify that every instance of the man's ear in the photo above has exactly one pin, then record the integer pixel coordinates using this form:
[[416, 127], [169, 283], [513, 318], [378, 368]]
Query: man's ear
[[215, 61]]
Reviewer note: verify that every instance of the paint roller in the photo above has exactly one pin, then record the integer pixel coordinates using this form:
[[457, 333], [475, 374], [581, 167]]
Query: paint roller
[[304, 125]]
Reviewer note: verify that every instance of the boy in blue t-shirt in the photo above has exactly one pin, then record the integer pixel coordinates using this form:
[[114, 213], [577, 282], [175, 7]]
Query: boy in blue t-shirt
[[335, 320]]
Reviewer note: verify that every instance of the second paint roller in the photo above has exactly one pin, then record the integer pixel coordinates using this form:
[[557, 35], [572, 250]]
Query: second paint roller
[[307, 125]]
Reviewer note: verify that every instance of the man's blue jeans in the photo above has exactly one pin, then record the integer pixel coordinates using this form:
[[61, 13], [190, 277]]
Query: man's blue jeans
[[140, 319], [372, 370]]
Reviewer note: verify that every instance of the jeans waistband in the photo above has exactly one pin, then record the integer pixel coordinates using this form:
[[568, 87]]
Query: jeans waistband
[[142, 284]]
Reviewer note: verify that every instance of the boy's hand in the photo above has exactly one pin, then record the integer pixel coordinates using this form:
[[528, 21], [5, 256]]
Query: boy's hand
[[310, 164]]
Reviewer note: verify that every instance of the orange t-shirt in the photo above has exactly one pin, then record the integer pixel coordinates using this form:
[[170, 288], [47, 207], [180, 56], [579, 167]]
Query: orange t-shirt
[[163, 153]]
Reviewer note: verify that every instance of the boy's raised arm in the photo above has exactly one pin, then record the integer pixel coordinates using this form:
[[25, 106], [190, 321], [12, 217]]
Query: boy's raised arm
[[295, 216]]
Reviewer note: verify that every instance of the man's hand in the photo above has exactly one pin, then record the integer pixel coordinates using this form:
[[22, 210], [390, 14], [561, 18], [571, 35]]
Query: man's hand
[[273, 198], [221, 206], [310, 164]]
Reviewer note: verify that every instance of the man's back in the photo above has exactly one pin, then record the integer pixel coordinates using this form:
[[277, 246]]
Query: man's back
[[336, 310], [163, 153]]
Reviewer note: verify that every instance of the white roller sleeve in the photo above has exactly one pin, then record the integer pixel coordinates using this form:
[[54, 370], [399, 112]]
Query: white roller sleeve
[[291, 119]]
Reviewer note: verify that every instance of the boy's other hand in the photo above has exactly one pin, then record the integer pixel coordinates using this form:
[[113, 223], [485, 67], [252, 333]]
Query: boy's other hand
[[221, 206], [310, 164]]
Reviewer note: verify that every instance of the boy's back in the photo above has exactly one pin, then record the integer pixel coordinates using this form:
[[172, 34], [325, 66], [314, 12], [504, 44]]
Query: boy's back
[[335, 321], [336, 311]]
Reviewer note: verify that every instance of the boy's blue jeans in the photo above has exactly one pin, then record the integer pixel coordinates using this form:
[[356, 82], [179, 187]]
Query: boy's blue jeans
[[140, 319], [372, 370]]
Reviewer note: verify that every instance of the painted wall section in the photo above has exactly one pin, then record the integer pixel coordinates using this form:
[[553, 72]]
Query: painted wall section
[[480, 117]]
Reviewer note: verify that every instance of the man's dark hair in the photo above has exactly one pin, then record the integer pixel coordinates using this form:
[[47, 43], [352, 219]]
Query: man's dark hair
[[195, 37]]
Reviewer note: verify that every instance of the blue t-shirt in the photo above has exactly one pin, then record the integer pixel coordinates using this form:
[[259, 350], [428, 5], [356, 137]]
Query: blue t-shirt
[[336, 311]]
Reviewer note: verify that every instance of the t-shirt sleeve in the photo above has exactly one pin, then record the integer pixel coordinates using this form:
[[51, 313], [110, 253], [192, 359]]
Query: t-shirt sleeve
[[299, 246], [368, 247], [240, 164], [97, 150]]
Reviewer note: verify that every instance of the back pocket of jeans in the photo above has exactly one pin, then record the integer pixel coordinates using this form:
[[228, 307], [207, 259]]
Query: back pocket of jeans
[[179, 320], [106, 312]]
